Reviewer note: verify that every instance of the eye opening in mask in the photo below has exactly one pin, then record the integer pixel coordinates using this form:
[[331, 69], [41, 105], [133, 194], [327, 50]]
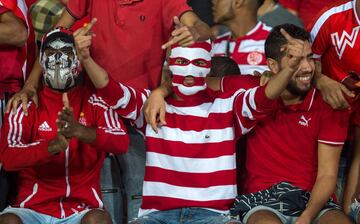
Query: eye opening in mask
[[65, 50], [201, 63], [179, 61], [183, 62]]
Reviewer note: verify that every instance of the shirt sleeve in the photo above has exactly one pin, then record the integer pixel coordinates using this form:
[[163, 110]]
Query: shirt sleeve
[[173, 8], [78, 8], [109, 129], [126, 101], [233, 83], [3, 9], [333, 126], [17, 150], [250, 106], [320, 35]]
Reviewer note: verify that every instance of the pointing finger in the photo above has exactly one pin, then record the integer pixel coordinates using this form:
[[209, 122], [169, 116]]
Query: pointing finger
[[65, 100]]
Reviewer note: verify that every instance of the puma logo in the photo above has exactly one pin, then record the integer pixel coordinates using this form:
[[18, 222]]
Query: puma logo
[[303, 121]]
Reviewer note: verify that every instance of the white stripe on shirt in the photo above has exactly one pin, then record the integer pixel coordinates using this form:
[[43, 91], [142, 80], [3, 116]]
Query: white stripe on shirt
[[191, 165]]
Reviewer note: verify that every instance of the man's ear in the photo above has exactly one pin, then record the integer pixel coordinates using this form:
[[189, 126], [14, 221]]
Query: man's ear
[[238, 3], [273, 65]]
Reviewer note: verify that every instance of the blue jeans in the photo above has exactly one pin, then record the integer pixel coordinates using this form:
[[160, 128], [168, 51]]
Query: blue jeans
[[29, 216], [184, 216]]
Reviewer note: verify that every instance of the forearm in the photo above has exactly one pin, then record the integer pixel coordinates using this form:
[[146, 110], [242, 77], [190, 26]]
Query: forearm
[[24, 156], [322, 191], [164, 90], [203, 30], [12, 30], [278, 83], [105, 139], [11, 36], [33, 80], [97, 74]]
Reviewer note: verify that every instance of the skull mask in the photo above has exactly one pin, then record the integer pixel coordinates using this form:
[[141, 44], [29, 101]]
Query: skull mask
[[59, 61]]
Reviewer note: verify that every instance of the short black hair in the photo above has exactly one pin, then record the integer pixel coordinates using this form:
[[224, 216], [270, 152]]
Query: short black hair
[[222, 66], [276, 40]]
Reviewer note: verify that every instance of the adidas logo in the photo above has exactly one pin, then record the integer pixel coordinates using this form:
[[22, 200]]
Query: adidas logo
[[45, 127]]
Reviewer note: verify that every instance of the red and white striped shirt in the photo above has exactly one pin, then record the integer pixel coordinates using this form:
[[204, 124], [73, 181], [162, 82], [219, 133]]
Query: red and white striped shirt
[[190, 162], [69, 182], [247, 51]]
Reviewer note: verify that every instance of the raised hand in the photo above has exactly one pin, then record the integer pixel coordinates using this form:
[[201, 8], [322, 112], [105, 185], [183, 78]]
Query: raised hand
[[67, 125], [83, 37], [294, 50], [182, 35]]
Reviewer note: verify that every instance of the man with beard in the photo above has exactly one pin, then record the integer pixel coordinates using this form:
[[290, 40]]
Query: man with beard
[[58, 151], [245, 41], [187, 178], [292, 156]]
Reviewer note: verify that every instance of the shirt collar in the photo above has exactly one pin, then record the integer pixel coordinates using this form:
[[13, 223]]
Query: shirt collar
[[305, 105], [128, 2]]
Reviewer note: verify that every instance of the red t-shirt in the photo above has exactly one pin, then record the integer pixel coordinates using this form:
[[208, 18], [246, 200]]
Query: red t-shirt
[[336, 40], [129, 35], [307, 9], [283, 146]]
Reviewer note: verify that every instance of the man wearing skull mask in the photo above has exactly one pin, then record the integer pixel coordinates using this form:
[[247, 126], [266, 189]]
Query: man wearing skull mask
[[58, 150], [187, 178]]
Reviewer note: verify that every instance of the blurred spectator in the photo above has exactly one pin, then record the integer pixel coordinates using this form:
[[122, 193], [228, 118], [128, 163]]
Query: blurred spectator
[[305, 9], [222, 66], [272, 13], [336, 44], [245, 41], [13, 52], [44, 15]]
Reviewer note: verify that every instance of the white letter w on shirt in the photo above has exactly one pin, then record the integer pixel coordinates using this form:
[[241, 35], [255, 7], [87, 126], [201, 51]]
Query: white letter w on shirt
[[345, 39]]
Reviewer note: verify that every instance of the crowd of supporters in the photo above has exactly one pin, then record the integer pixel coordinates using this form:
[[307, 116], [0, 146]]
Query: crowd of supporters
[[214, 111]]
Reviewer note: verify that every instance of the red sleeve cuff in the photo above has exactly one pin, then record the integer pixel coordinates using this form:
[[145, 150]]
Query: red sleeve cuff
[[111, 90], [333, 143], [105, 143], [263, 103], [3, 9]]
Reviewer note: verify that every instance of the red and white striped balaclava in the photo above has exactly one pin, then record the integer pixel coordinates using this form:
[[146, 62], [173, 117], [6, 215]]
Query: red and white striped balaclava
[[194, 61]]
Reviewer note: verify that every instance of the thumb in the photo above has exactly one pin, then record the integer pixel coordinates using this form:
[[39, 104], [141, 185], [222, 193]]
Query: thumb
[[177, 22], [65, 100]]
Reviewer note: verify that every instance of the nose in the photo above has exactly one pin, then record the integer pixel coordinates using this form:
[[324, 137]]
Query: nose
[[57, 55], [307, 65]]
